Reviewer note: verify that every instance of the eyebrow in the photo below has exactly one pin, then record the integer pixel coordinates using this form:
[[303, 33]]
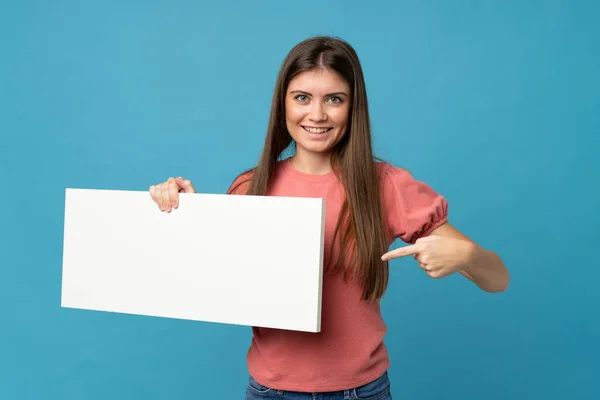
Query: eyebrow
[[327, 95]]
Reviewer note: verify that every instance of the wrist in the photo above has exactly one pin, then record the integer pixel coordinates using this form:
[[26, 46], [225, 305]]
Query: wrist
[[474, 257]]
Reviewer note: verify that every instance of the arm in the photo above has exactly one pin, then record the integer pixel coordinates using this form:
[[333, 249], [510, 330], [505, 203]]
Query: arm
[[411, 207], [483, 267], [446, 251]]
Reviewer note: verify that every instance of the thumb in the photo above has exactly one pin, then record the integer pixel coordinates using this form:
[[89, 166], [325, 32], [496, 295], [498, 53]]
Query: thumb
[[185, 184]]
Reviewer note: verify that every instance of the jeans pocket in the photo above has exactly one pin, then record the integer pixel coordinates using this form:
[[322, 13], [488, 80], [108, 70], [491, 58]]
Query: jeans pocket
[[258, 389], [378, 389]]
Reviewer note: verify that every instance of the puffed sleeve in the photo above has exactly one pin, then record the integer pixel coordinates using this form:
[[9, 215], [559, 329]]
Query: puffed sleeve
[[412, 208]]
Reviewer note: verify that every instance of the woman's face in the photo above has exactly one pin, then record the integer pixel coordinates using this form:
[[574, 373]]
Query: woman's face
[[317, 106]]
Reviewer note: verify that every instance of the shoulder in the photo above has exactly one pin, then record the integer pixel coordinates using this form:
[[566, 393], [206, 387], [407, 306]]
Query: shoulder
[[400, 187], [392, 175], [241, 183], [412, 207]]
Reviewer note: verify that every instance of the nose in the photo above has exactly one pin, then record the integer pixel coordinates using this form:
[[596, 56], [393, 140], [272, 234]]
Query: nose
[[317, 112]]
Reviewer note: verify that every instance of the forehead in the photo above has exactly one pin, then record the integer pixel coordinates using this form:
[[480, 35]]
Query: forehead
[[319, 80]]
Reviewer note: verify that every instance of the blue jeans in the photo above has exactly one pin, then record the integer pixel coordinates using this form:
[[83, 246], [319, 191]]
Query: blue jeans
[[379, 389]]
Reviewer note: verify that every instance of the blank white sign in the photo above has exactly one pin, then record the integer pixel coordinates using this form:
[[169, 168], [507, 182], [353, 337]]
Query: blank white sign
[[245, 260]]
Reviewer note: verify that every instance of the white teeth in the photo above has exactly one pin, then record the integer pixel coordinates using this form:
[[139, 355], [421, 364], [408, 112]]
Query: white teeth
[[316, 130]]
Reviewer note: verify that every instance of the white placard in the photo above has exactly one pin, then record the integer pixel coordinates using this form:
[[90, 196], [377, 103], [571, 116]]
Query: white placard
[[245, 260]]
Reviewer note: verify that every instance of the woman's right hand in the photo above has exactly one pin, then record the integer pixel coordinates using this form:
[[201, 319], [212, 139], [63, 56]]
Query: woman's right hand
[[166, 194]]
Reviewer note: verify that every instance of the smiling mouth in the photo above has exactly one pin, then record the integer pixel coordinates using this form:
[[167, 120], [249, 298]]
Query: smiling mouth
[[311, 129]]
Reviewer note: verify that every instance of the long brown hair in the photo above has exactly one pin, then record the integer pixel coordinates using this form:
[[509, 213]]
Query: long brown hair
[[360, 226]]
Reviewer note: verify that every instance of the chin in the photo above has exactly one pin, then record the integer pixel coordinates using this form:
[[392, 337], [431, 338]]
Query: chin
[[315, 148]]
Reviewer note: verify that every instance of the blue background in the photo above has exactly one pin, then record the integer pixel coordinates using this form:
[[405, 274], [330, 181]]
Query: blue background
[[495, 104]]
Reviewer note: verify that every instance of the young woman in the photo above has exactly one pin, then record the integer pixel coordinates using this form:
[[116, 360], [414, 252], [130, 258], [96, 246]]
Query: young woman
[[320, 110]]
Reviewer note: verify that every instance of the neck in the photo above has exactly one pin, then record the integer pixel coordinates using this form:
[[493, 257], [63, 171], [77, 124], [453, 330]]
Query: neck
[[310, 163]]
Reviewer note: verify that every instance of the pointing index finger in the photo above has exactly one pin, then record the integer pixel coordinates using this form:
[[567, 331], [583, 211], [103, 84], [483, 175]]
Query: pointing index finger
[[402, 252]]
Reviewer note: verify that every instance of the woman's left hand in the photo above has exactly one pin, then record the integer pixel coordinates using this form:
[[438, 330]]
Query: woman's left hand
[[439, 256]]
